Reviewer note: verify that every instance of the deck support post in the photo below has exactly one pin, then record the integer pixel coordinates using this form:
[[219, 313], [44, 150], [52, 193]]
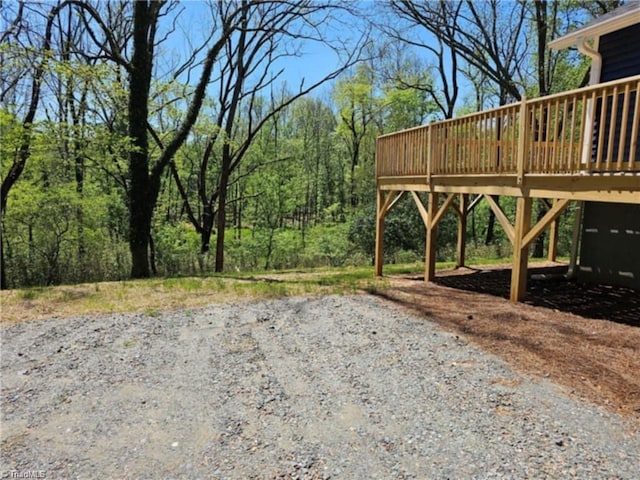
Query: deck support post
[[462, 229], [553, 238], [430, 248], [379, 259], [520, 249]]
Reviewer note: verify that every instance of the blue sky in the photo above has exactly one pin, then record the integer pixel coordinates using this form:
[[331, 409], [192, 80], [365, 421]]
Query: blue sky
[[314, 62]]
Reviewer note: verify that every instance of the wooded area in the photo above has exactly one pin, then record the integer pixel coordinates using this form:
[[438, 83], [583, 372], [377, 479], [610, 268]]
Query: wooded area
[[134, 138]]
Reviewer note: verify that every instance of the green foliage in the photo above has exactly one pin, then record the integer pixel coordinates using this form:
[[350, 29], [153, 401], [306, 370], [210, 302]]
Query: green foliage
[[327, 246], [56, 230], [404, 233], [176, 249], [188, 283]]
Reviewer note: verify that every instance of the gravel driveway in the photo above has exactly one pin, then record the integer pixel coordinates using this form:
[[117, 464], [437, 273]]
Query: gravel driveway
[[332, 387]]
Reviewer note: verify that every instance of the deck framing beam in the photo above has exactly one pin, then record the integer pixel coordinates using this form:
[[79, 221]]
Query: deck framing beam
[[549, 218], [421, 208], [502, 218], [596, 187]]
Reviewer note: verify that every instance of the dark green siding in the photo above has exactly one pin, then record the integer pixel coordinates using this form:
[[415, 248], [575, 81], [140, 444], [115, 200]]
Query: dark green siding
[[610, 249]]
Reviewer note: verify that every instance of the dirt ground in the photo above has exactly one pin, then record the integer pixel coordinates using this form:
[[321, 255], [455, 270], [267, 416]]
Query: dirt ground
[[586, 338]]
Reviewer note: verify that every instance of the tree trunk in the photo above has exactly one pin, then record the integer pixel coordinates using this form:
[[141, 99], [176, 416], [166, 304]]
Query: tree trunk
[[538, 246], [3, 275], [239, 224], [473, 228], [354, 162], [138, 195], [222, 201], [207, 228], [152, 255]]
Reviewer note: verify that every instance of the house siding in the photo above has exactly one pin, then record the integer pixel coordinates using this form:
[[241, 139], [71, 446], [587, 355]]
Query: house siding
[[611, 244], [610, 248], [620, 52], [620, 59]]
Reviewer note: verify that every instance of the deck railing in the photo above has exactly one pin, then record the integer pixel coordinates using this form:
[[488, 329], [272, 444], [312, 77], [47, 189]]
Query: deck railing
[[592, 129]]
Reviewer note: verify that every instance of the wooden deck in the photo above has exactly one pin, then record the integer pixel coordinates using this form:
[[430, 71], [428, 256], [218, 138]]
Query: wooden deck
[[577, 145]]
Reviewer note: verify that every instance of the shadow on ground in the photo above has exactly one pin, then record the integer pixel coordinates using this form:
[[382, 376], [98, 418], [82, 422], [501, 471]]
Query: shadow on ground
[[548, 287]]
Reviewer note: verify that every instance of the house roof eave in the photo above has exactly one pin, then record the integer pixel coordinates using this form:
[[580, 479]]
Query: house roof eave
[[622, 17]]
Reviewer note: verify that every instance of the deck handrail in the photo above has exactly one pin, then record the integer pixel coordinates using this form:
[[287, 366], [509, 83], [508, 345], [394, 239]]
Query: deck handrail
[[591, 129]]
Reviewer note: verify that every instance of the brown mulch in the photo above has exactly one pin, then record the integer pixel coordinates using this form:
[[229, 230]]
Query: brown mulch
[[586, 338]]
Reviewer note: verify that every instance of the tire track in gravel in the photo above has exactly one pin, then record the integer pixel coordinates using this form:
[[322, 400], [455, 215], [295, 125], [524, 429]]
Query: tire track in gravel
[[302, 349], [349, 410]]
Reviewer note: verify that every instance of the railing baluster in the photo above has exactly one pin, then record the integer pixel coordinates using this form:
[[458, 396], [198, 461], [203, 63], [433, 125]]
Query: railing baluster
[[455, 161], [485, 143], [601, 119], [442, 149], [461, 150], [511, 120], [514, 140], [473, 145], [522, 141], [613, 121], [489, 138], [430, 148], [478, 138], [444, 153], [562, 163], [494, 144], [582, 129], [435, 147], [409, 150], [466, 149], [572, 131], [555, 119], [533, 141], [547, 133], [453, 141], [539, 138], [635, 129], [415, 151], [476, 144], [405, 145], [453, 145], [622, 141], [482, 141], [476, 126]]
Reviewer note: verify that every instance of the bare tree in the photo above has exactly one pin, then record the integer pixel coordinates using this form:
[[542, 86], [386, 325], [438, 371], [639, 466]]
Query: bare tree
[[246, 72], [443, 87], [488, 35]]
